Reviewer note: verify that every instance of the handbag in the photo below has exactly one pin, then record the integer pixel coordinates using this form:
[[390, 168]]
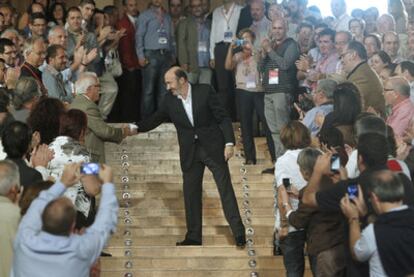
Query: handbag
[[112, 63]]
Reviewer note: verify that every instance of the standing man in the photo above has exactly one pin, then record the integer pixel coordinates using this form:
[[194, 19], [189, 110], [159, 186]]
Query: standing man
[[129, 95], [338, 8], [260, 24], [175, 8], [391, 46], [223, 31], [206, 138], [193, 44], [155, 50], [279, 78]]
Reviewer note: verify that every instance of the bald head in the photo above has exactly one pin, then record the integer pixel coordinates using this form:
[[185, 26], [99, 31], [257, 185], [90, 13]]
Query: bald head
[[59, 217]]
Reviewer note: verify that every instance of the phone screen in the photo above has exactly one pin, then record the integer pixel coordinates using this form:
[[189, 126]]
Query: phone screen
[[90, 168], [352, 191], [286, 182], [335, 163]]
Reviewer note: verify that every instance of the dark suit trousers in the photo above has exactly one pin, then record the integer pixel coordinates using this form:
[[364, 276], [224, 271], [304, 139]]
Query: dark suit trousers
[[193, 188]]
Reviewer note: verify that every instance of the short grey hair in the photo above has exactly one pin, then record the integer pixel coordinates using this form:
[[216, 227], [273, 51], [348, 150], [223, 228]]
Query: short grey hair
[[52, 31], [387, 186], [400, 85], [28, 45], [327, 86], [85, 80], [307, 159], [9, 176], [26, 89], [9, 30]]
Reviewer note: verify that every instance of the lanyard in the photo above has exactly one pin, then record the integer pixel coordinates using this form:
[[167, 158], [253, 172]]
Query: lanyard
[[230, 13], [160, 17]]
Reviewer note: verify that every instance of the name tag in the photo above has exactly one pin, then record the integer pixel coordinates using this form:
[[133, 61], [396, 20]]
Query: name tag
[[228, 36], [251, 81], [274, 76], [162, 37], [202, 46]]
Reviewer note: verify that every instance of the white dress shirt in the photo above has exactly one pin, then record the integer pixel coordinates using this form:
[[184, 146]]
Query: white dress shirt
[[223, 22]]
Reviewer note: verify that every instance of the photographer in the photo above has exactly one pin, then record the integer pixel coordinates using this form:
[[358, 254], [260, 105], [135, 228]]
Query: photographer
[[249, 92], [387, 243], [372, 157]]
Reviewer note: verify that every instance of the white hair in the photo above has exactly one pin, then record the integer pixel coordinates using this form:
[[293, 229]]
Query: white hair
[[52, 31], [85, 80], [9, 176], [29, 44]]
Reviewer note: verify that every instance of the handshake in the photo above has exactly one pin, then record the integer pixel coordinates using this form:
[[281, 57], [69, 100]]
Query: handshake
[[129, 129]]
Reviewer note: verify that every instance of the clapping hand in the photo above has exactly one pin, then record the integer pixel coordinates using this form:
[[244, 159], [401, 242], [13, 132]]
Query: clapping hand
[[70, 175], [41, 156]]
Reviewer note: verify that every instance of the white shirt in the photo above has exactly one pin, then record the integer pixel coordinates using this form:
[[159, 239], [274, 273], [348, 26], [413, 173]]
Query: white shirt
[[188, 105], [342, 23], [287, 167], [366, 249], [223, 22], [352, 165], [412, 92]]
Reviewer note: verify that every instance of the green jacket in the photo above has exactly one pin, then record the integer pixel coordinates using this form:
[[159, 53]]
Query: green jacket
[[98, 130]]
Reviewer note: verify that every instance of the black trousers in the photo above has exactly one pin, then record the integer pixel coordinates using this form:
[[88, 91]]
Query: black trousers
[[247, 103], [193, 189]]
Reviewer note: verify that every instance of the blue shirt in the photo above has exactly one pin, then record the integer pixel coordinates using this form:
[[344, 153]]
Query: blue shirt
[[204, 41], [150, 29], [309, 119], [38, 253]]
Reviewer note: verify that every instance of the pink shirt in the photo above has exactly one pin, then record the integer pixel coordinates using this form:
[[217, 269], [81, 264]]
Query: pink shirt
[[401, 116]]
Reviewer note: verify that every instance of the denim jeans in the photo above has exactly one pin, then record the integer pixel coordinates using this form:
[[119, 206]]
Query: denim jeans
[[293, 256], [153, 87]]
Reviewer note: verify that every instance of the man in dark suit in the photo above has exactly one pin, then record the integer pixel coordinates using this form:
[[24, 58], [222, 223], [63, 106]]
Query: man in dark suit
[[204, 130]]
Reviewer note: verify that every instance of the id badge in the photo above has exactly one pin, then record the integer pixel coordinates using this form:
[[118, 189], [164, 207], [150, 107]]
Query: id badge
[[202, 46], [251, 81], [228, 36], [274, 76], [162, 37]]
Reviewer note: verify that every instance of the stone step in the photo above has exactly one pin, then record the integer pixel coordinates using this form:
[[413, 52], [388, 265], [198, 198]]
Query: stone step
[[201, 263], [185, 251], [177, 185], [180, 221], [181, 212], [154, 177], [178, 194], [175, 204], [170, 240], [197, 273], [137, 230]]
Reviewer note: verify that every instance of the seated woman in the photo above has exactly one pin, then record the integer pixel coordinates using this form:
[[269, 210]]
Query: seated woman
[[347, 106], [249, 93], [68, 147]]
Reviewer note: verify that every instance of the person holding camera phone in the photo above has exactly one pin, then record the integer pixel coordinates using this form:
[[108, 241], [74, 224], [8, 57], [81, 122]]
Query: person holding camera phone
[[249, 92]]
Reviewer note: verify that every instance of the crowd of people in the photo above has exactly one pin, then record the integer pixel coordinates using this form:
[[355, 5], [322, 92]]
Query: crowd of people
[[334, 97]]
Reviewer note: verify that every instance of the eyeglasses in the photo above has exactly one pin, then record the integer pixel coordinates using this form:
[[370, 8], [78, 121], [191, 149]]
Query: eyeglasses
[[388, 89], [344, 54]]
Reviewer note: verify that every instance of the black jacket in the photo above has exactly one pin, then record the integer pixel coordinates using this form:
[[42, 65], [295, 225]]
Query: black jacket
[[212, 125]]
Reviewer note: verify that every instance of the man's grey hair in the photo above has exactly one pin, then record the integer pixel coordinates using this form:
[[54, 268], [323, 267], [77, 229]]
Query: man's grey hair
[[9, 30], [85, 80], [26, 89], [29, 44], [52, 31], [349, 35], [400, 85], [9, 176], [307, 159], [387, 186], [327, 86], [369, 123]]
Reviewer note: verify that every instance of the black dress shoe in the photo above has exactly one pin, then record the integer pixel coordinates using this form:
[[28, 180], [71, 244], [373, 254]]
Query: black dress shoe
[[104, 254], [187, 242], [269, 171], [240, 241]]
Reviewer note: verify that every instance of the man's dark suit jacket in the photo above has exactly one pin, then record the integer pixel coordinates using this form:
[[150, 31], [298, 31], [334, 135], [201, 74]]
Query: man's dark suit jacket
[[28, 175], [212, 125]]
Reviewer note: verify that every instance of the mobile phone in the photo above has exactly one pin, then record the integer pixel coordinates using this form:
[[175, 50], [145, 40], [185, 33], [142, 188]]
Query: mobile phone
[[352, 191], [240, 42], [286, 182], [90, 168], [335, 163]]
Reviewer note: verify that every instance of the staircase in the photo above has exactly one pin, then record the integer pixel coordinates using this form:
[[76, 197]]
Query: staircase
[[152, 217]]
